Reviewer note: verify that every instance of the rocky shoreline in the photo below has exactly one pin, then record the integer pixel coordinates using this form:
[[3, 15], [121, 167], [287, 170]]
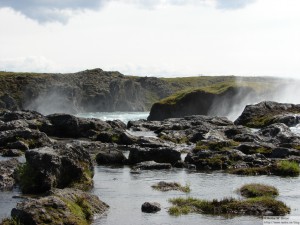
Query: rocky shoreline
[[61, 150]]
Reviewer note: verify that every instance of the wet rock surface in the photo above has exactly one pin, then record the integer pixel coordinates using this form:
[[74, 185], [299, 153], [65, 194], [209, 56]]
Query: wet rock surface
[[67, 206]]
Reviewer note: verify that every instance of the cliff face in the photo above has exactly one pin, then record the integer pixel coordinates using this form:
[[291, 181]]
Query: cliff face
[[87, 91], [200, 102]]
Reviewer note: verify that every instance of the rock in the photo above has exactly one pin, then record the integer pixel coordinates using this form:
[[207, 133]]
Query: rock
[[12, 125], [69, 126], [31, 138], [160, 155], [66, 206], [18, 145], [151, 165], [12, 153], [7, 169], [151, 207], [8, 102], [266, 113], [110, 156], [284, 152], [200, 102], [8, 116], [61, 166]]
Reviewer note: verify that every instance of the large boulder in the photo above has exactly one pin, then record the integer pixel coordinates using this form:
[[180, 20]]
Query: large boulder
[[110, 156], [7, 169], [66, 206], [69, 126], [160, 155], [266, 113], [62, 165]]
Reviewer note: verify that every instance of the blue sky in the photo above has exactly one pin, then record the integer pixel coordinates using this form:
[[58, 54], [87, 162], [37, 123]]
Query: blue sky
[[152, 38]]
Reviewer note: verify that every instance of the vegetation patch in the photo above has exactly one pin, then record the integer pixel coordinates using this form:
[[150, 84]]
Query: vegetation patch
[[171, 186], [286, 168], [27, 178], [10, 221], [251, 171], [228, 206], [216, 146], [258, 190]]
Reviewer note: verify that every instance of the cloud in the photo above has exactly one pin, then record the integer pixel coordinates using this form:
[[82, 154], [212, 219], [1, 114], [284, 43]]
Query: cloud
[[45, 11], [51, 10], [233, 4], [28, 64]]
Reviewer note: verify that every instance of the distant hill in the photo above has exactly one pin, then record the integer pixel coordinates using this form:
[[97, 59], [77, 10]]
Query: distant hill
[[99, 91]]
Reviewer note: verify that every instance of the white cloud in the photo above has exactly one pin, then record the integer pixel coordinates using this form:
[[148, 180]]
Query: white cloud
[[28, 64], [45, 11]]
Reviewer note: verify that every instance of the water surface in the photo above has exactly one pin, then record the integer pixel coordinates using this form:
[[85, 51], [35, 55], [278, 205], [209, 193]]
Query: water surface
[[125, 192]]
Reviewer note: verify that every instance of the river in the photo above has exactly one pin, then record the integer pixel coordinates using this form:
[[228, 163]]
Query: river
[[125, 191]]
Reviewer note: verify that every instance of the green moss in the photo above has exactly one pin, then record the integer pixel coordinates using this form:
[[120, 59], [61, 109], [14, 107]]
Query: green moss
[[216, 146], [259, 122], [115, 138], [182, 140], [227, 206], [27, 177], [79, 214], [165, 186], [286, 168], [258, 190], [10, 221], [252, 171]]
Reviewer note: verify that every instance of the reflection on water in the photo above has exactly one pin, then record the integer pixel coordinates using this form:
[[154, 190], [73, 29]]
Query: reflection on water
[[125, 192], [7, 202]]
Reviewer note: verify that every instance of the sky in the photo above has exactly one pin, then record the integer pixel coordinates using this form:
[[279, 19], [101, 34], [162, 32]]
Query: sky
[[152, 37]]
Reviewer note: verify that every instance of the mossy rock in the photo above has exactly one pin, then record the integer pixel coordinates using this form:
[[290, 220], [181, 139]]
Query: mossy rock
[[258, 190], [228, 206]]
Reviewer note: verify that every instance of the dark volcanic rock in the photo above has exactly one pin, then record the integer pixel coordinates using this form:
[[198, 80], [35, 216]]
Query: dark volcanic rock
[[31, 138], [160, 155], [110, 156], [8, 102], [151, 165], [12, 153], [151, 207], [7, 169], [67, 206], [65, 125], [266, 113], [61, 166]]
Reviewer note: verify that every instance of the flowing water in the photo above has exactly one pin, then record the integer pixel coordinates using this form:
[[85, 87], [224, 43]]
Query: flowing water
[[126, 191], [123, 116]]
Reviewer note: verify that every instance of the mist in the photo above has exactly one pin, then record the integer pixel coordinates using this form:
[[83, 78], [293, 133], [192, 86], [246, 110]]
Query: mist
[[55, 100], [273, 89]]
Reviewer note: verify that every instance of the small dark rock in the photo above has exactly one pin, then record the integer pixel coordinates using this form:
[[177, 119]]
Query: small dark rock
[[151, 207]]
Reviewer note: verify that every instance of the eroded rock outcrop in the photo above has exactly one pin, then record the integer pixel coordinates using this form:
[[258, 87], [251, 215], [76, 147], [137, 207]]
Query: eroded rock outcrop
[[266, 113], [62, 165]]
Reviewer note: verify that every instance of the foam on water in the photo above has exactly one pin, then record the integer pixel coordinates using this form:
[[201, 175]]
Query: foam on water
[[123, 116]]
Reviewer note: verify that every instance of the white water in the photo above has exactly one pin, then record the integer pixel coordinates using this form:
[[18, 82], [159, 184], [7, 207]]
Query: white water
[[123, 116]]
